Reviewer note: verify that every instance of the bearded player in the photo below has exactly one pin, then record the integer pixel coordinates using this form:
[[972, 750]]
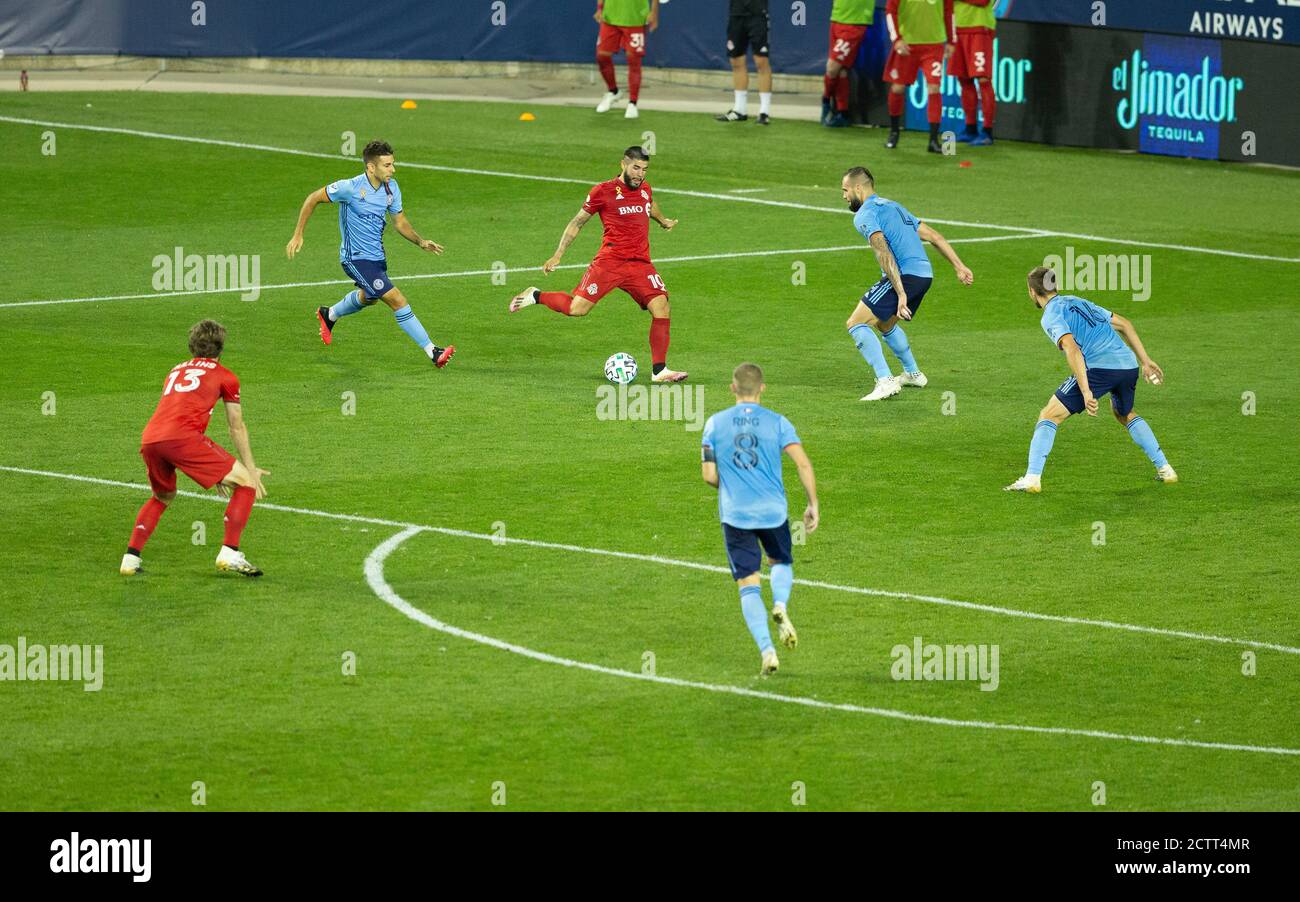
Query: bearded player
[[625, 207], [922, 35], [174, 440]]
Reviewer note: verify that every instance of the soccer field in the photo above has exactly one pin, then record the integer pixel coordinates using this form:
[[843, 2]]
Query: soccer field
[[593, 656]]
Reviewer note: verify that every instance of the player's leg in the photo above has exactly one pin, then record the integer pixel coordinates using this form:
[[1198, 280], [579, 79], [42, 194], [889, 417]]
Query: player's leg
[[988, 106], [634, 45], [1067, 401], [891, 332], [596, 282], [762, 66], [959, 68], [863, 325], [737, 42], [240, 485], [829, 82], [981, 69], [745, 559], [932, 70], [410, 324], [844, 42], [162, 479], [776, 543], [1121, 404], [352, 302], [659, 310], [608, 41]]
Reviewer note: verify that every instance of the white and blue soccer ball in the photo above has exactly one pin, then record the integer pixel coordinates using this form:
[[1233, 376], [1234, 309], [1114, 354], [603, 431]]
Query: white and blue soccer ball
[[620, 368]]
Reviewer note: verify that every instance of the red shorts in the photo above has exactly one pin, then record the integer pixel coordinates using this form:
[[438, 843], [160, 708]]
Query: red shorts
[[974, 55], [638, 279], [927, 58], [614, 38], [845, 40], [197, 456]]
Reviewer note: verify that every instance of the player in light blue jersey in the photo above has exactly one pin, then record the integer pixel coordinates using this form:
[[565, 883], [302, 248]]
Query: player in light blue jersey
[[365, 202], [905, 272], [1094, 342], [742, 448]]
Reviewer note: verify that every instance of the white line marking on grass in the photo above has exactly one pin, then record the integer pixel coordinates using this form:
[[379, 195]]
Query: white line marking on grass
[[741, 198], [374, 572], [476, 272], [693, 565]]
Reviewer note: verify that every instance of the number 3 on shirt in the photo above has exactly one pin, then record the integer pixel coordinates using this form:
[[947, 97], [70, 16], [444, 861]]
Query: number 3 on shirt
[[191, 382]]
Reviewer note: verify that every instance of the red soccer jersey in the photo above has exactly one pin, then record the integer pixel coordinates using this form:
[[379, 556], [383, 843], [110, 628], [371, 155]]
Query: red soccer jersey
[[625, 214], [190, 393]]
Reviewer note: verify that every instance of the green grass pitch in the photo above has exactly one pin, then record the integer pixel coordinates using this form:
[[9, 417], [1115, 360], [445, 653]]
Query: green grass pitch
[[239, 684]]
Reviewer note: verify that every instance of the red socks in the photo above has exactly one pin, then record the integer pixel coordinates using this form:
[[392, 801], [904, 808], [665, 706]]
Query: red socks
[[988, 102], [633, 76], [895, 103], [606, 66], [145, 522], [933, 107], [828, 85], [556, 300], [237, 511], [842, 92], [969, 100], [659, 341]]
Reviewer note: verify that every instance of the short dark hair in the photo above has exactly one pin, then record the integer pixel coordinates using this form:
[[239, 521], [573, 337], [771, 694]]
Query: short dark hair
[[748, 378], [207, 338], [1042, 280], [857, 173], [636, 152], [376, 149]]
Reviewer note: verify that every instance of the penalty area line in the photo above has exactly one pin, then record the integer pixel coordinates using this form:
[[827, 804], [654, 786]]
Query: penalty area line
[[693, 565], [376, 580], [740, 198]]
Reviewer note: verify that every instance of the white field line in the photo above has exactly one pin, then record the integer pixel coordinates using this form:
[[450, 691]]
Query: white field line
[[475, 272], [740, 198], [374, 571], [693, 565]]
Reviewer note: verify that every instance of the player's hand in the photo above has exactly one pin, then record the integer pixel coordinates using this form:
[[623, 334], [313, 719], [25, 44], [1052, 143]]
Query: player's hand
[[667, 224], [1090, 404], [222, 489], [294, 245], [652, 20], [964, 275], [429, 245], [1152, 373], [904, 311], [599, 17], [811, 517], [549, 266], [901, 48], [948, 50], [258, 488]]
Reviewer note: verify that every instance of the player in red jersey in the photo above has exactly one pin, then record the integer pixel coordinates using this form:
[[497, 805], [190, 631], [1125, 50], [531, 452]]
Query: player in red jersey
[[174, 440], [922, 36], [625, 206]]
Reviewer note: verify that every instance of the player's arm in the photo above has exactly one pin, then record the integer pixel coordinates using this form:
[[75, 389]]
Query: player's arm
[[657, 215], [1074, 356], [1150, 369], [652, 20], [709, 466], [891, 23], [407, 231], [889, 266], [811, 514], [570, 232], [950, 29], [304, 213], [243, 450], [942, 246], [600, 12]]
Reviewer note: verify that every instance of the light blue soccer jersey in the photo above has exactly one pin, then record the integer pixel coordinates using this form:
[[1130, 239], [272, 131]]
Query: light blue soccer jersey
[[899, 227], [747, 441], [363, 213], [1102, 347]]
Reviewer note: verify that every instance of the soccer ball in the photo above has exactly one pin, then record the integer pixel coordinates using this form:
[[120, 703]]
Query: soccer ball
[[620, 368]]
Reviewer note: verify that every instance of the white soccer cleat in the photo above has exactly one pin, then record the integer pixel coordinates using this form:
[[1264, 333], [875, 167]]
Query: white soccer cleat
[[232, 561], [885, 388], [1166, 474], [523, 299], [130, 565], [770, 663], [914, 380], [1031, 484], [631, 112], [667, 375], [784, 628], [607, 101]]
